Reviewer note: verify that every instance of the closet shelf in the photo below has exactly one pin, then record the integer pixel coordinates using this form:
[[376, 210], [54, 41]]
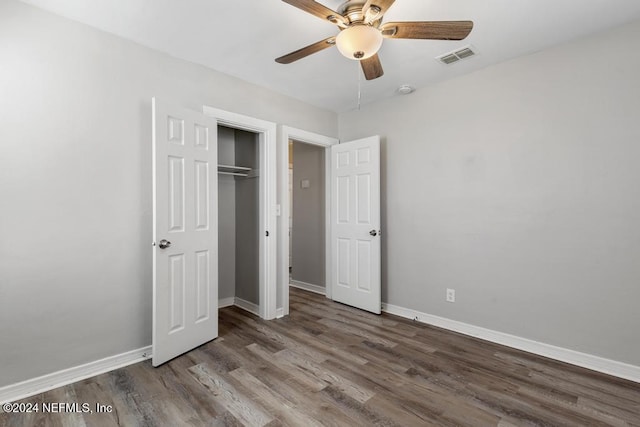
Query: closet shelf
[[233, 173], [234, 170], [233, 167]]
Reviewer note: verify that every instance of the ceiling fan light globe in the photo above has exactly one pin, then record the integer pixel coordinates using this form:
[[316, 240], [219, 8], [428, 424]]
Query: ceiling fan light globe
[[359, 42]]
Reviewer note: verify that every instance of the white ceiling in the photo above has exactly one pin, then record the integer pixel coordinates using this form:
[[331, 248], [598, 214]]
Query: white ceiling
[[243, 37]]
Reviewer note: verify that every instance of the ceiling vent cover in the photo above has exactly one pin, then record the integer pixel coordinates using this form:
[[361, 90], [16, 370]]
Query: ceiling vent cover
[[456, 55]]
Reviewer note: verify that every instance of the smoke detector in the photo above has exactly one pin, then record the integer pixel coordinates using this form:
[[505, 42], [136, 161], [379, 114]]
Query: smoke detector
[[456, 55], [405, 89]]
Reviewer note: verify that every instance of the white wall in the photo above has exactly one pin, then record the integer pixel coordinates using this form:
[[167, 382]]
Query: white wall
[[75, 183], [518, 186]]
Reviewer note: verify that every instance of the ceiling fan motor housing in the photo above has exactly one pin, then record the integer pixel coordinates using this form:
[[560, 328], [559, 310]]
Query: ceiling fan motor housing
[[353, 11]]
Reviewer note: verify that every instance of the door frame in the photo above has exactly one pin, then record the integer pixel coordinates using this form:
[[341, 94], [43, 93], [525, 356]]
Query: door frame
[[289, 133], [267, 222]]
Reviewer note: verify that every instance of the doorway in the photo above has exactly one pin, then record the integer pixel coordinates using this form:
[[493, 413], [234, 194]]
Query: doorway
[[323, 143], [307, 222], [238, 218], [262, 136], [352, 205]]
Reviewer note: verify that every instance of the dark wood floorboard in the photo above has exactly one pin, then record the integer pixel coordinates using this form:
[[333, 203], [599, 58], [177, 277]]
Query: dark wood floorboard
[[328, 364]]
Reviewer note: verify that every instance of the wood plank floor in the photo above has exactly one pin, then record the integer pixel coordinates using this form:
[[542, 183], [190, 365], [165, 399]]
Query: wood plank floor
[[329, 364]]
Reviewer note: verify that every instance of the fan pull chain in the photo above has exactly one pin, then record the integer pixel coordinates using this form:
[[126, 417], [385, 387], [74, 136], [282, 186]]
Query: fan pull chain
[[359, 84]]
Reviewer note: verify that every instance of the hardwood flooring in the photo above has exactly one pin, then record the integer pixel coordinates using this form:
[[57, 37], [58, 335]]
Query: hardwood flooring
[[331, 365]]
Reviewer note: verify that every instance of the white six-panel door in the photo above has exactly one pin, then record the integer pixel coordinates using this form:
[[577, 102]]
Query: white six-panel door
[[355, 223], [185, 231]]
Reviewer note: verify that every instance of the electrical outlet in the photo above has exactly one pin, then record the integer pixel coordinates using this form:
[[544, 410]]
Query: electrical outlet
[[451, 295]]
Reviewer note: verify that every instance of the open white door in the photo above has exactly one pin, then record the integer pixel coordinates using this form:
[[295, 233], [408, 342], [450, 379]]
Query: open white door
[[185, 231], [355, 223]]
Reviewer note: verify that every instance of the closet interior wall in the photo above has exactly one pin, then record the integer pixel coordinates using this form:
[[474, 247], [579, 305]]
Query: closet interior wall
[[238, 209]]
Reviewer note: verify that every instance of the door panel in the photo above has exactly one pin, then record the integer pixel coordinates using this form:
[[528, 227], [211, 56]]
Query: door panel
[[203, 277], [355, 223], [185, 277], [176, 194], [176, 292], [202, 195]]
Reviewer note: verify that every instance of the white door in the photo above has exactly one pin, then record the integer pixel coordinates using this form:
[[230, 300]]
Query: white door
[[185, 231], [355, 223]]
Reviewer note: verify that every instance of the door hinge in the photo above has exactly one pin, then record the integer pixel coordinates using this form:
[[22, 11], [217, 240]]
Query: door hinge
[[267, 233]]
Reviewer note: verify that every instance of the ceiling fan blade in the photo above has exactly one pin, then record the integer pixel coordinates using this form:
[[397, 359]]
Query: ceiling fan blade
[[437, 30], [372, 67], [316, 9], [307, 50], [375, 9]]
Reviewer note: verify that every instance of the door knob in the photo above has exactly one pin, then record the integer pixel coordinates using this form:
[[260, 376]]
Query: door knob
[[374, 233], [164, 244]]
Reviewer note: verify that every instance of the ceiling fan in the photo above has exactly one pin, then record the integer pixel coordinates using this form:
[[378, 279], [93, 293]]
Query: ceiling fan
[[362, 31]]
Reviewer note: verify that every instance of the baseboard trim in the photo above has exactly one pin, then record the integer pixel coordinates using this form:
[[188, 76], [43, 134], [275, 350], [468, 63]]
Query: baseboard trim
[[247, 306], [308, 287], [37, 385], [226, 302], [589, 361], [279, 312]]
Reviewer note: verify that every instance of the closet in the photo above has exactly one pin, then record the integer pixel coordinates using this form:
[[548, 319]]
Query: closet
[[238, 217]]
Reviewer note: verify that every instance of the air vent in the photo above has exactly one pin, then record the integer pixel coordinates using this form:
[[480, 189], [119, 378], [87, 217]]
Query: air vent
[[456, 55], [449, 59]]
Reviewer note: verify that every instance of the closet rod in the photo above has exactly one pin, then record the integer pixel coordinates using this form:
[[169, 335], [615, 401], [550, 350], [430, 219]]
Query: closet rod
[[233, 173], [234, 167]]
